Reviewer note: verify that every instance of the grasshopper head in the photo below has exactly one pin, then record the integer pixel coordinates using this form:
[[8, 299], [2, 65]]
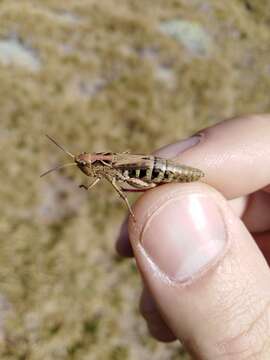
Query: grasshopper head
[[83, 162]]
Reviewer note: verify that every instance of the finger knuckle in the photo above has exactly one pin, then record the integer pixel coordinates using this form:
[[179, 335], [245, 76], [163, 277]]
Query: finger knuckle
[[147, 310]]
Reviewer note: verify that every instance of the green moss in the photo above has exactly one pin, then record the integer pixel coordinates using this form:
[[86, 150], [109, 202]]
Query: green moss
[[90, 326], [119, 353]]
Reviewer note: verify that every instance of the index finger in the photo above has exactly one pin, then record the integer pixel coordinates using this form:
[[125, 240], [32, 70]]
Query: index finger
[[234, 155]]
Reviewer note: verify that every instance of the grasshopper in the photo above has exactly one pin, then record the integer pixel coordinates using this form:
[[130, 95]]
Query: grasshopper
[[140, 172]]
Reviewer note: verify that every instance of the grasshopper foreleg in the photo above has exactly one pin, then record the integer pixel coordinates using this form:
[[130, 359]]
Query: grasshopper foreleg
[[91, 185]]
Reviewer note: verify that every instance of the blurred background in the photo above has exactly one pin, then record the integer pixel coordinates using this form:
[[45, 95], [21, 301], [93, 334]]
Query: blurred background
[[102, 75]]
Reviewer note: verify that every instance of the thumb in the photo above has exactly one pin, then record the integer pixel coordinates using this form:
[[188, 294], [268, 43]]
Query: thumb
[[208, 279]]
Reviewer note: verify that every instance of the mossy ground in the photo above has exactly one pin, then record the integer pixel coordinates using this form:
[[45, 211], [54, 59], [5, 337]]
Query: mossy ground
[[109, 79]]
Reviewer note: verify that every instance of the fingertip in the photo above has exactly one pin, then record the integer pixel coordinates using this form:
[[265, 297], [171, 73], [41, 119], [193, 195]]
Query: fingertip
[[123, 246], [181, 230], [161, 334]]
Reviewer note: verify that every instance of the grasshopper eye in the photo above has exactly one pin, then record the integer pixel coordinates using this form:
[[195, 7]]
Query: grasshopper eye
[[81, 162]]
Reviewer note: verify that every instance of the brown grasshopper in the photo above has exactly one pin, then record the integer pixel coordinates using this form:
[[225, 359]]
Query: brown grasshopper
[[140, 172]]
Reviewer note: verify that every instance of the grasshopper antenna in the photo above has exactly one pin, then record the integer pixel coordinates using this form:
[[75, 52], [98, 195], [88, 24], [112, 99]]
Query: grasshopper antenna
[[60, 147], [57, 168]]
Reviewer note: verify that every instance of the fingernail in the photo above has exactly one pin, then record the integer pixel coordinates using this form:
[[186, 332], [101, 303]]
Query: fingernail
[[184, 236], [179, 147]]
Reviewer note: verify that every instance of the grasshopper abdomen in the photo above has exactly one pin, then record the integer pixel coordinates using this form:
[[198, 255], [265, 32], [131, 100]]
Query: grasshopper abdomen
[[156, 170]]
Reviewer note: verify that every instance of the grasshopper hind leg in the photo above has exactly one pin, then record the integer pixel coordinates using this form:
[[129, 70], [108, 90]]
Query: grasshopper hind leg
[[140, 184], [122, 195]]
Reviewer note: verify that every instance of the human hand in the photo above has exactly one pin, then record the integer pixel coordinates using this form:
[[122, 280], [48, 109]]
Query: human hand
[[202, 250]]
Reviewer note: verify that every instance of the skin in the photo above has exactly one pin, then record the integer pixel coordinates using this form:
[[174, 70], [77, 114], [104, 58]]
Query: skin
[[224, 311]]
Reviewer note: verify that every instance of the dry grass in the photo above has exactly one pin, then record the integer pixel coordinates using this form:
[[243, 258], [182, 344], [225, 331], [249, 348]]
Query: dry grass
[[108, 79]]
